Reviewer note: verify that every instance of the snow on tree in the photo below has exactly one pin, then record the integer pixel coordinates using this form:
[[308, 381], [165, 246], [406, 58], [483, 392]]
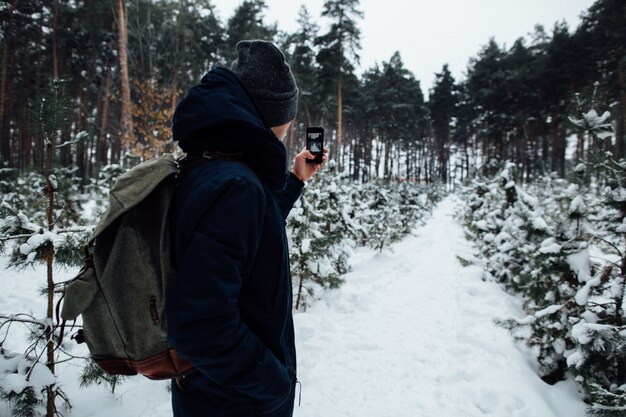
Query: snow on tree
[[38, 224], [560, 245], [335, 214]]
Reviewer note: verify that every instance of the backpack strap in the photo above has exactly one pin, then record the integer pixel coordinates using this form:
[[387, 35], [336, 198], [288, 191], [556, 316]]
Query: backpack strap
[[193, 159]]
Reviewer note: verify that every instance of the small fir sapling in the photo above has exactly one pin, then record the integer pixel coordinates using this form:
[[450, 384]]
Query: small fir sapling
[[320, 238], [574, 290], [335, 214], [28, 380]]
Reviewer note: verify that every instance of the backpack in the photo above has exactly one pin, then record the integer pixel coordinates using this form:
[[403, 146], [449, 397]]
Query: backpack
[[121, 290]]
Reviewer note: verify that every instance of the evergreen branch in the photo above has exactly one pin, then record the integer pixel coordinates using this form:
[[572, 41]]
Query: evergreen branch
[[61, 394], [6, 335], [606, 260], [594, 304], [23, 236], [30, 371], [74, 230], [608, 243], [32, 320], [80, 136], [70, 357]]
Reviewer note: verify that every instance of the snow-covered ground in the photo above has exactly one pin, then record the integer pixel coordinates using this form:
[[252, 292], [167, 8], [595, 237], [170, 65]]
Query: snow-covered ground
[[410, 333]]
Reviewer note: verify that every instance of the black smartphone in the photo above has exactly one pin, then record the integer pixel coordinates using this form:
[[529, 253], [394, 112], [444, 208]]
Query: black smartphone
[[315, 144]]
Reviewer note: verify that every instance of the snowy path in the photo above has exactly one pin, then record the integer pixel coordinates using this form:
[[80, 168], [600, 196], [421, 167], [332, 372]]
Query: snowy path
[[411, 333]]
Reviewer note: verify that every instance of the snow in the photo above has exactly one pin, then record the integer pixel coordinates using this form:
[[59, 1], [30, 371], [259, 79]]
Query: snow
[[578, 205], [579, 262], [541, 313], [19, 377], [550, 246], [582, 331], [592, 121], [410, 333], [539, 224], [53, 181], [582, 296]]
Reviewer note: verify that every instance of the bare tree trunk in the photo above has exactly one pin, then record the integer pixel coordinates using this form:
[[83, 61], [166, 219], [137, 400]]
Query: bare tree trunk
[[81, 148], [49, 140], [55, 30], [558, 147], [26, 148], [358, 150], [379, 151], [39, 146], [307, 114], [101, 156], [387, 174], [621, 129], [339, 120], [126, 116], [407, 162], [181, 15], [5, 148]]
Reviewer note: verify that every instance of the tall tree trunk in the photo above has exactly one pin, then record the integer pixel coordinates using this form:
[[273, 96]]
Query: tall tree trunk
[[49, 143], [307, 114], [387, 174], [5, 144], [101, 154], [621, 129], [407, 161], [358, 150], [367, 153], [126, 116], [55, 30], [26, 151], [339, 120], [181, 16], [81, 148], [379, 151], [558, 147]]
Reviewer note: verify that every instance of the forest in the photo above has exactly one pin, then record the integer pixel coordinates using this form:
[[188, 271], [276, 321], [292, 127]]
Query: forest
[[120, 67], [531, 140]]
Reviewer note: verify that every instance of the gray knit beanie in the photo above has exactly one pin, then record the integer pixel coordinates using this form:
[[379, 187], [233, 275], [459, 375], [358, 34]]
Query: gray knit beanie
[[262, 68]]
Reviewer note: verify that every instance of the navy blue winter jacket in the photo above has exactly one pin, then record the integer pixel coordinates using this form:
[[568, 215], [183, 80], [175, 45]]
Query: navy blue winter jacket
[[229, 305]]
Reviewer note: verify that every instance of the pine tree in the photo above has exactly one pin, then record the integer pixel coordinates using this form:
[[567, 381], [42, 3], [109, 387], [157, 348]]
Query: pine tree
[[319, 236], [247, 23], [338, 50], [442, 105], [126, 129], [48, 243], [300, 54], [537, 241]]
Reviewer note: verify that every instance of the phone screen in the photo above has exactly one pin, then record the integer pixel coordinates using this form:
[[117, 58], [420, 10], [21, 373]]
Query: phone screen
[[315, 143]]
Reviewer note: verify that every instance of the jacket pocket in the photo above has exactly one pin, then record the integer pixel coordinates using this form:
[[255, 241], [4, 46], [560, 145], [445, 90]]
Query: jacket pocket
[[282, 403]]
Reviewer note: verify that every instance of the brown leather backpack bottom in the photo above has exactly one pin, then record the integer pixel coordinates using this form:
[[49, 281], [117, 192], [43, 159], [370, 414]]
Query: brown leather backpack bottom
[[164, 365]]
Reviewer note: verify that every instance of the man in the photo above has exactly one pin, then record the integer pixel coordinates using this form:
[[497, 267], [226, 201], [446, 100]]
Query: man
[[229, 305]]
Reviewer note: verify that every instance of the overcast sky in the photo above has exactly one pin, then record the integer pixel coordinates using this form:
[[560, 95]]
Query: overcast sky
[[430, 33]]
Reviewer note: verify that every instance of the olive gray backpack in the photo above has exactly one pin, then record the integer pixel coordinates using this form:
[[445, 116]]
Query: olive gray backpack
[[121, 290]]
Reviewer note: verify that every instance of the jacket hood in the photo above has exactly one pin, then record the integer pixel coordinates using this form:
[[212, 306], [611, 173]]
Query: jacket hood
[[219, 115]]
